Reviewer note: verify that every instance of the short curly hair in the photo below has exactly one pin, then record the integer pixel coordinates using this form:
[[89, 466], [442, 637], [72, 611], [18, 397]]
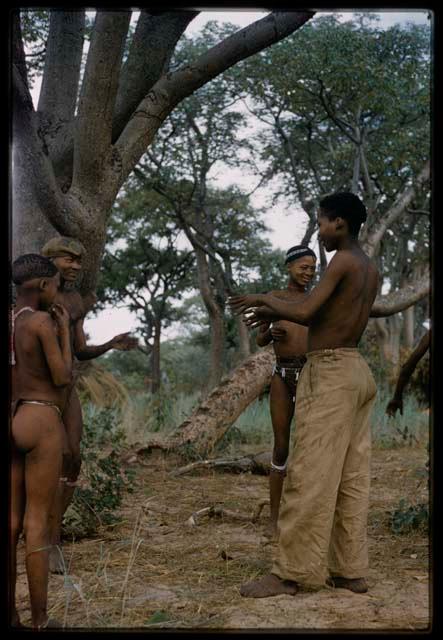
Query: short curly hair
[[30, 266], [345, 205]]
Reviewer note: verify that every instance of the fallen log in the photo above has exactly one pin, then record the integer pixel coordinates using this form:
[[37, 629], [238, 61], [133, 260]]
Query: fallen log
[[219, 511]]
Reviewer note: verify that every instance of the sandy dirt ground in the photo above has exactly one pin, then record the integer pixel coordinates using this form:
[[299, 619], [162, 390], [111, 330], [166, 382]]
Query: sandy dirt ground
[[155, 571]]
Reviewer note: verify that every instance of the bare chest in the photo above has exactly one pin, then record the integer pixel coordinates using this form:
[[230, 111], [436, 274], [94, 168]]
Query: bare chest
[[73, 305]]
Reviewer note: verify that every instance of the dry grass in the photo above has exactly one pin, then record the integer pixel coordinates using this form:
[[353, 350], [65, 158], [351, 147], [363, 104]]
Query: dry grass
[[154, 571], [100, 386]]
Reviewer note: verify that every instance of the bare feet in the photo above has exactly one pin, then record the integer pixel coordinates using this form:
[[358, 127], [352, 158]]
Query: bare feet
[[357, 585], [56, 560], [51, 623], [270, 585]]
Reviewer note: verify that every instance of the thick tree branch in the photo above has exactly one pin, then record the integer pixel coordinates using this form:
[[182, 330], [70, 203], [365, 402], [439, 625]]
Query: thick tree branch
[[58, 94], [401, 203], [173, 87], [30, 145], [150, 52], [401, 299], [92, 146]]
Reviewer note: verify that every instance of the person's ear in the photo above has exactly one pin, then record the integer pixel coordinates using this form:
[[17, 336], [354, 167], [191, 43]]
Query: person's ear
[[339, 224], [43, 284]]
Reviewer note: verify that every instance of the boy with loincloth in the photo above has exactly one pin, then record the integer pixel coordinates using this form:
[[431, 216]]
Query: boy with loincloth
[[66, 254], [42, 364], [290, 345], [323, 516]]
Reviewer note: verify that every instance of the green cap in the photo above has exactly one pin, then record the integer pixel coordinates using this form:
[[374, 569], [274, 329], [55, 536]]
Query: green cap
[[61, 245]]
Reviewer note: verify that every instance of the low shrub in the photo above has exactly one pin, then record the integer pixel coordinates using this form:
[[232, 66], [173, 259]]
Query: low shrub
[[409, 517], [103, 483]]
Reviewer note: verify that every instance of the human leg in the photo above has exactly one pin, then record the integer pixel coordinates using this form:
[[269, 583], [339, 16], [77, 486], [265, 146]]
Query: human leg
[[73, 424], [39, 431], [37, 434], [348, 554], [282, 411], [325, 410], [16, 525]]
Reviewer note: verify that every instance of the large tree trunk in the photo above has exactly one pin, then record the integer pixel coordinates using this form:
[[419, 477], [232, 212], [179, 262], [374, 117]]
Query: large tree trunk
[[408, 327], [30, 227], [155, 358], [210, 421], [244, 340], [388, 338], [217, 348], [216, 320], [74, 164]]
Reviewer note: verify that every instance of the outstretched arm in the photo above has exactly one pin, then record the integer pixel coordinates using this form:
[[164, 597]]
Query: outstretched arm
[[265, 307], [405, 374], [83, 351]]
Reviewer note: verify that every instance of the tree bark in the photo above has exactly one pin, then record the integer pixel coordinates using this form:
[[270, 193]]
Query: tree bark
[[59, 90], [408, 327], [171, 88], [151, 49], [155, 358], [401, 299], [210, 421], [372, 239], [36, 199], [388, 337], [244, 339], [93, 161], [216, 319]]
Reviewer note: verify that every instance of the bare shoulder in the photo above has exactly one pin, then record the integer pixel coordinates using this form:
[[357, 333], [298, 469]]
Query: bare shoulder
[[73, 302], [342, 260], [346, 260], [284, 294], [41, 321]]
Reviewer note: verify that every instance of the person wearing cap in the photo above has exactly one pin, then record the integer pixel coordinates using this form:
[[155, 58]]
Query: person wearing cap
[[66, 254], [323, 515], [290, 345]]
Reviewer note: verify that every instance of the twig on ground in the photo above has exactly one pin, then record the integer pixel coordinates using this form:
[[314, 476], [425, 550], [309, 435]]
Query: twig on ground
[[220, 512]]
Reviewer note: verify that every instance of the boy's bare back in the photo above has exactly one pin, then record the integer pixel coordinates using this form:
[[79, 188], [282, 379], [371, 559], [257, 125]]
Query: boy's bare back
[[32, 375]]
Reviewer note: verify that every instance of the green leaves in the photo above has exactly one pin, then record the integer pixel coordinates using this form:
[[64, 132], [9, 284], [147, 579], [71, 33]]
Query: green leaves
[[97, 503], [158, 616], [407, 518]]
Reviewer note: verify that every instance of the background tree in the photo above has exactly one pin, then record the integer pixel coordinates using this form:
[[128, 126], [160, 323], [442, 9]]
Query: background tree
[[149, 275], [357, 118], [197, 140], [334, 125]]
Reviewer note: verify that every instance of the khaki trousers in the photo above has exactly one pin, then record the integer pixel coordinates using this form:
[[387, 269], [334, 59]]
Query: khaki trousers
[[323, 514]]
